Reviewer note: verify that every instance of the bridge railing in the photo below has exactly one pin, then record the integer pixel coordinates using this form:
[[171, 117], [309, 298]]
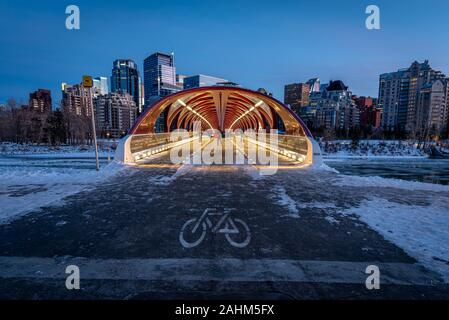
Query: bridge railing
[[146, 145], [136, 148], [298, 148]]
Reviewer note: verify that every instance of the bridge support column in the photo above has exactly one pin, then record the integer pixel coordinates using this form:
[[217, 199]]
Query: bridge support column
[[315, 153], [123, 151]]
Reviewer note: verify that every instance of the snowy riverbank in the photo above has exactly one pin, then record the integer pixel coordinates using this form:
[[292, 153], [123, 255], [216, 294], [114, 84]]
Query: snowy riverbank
[[105, 149], [31, 181], [371, 149]]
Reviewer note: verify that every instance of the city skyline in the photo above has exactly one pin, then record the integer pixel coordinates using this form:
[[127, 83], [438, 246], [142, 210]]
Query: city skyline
[[248, 59]]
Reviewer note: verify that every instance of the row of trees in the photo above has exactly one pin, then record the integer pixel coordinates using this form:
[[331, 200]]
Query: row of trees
[[19, 124], [422, 136]]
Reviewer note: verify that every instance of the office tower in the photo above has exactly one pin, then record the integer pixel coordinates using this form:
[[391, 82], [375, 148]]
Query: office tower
[[40, 101], [159, 77], [159, 81], [202, 80], [125, 78]]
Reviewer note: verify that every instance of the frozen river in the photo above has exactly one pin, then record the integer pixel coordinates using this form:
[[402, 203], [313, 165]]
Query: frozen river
[[423, 170]]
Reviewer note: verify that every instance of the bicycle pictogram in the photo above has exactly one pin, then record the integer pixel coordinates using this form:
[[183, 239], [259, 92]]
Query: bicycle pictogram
[[194, 231]]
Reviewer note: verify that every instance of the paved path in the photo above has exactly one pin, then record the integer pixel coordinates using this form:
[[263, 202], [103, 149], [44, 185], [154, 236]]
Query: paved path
[[125, 237]]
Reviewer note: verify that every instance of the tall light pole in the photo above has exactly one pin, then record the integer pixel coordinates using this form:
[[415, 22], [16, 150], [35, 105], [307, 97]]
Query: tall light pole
[[88, 83]]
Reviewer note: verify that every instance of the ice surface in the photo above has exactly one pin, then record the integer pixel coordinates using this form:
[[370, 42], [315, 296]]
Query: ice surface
[[357, 181]]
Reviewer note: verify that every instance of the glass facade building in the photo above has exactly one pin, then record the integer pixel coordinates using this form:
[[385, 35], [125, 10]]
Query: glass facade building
[[159, 77], [125, 78], [159, 81], [202, 80]]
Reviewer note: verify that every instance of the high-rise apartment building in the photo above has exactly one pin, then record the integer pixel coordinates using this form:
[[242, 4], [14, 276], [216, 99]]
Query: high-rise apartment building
[[336, 109], [40, 101], [76, 99], [404, 96], [115, 114], [431, 112], [125, 78]]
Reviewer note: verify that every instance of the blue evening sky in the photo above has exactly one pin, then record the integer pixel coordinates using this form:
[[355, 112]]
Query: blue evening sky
[[255, 43]]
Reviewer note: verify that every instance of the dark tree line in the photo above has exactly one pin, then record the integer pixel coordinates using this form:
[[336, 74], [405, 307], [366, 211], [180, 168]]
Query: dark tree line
[[21, 125]]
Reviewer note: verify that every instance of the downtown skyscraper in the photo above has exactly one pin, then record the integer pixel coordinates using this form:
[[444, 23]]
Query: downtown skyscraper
[[159, 77], [159, 81], [126, 79]]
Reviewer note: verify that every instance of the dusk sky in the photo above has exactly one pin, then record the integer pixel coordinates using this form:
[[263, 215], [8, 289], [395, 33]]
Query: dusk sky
[[255, 43]]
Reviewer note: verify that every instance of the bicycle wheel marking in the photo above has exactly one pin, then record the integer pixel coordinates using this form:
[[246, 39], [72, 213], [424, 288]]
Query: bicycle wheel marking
[[235, 231]]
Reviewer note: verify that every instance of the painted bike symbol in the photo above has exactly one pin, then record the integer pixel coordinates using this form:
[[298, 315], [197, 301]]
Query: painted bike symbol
[[194, 230]]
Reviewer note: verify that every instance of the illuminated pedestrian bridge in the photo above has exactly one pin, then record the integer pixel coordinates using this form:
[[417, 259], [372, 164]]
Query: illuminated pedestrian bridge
[[232, 120]]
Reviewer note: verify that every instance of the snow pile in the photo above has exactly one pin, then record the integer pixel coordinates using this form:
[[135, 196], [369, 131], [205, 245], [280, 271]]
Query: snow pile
[[371, 149], [422, 231]]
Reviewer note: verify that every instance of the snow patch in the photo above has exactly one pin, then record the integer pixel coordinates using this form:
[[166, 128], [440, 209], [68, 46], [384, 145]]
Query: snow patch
[[421, 231], [331, 220], [283, 199]]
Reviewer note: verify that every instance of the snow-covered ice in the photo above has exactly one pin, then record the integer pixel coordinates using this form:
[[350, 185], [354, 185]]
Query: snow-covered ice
[[358, 181]]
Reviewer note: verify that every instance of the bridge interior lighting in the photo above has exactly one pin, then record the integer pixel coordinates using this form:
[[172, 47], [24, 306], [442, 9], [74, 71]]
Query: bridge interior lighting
[[182, 103], [196, 113], [244, 114]]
